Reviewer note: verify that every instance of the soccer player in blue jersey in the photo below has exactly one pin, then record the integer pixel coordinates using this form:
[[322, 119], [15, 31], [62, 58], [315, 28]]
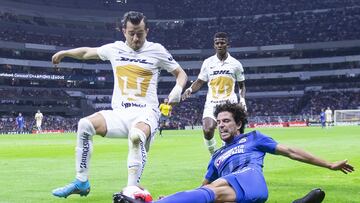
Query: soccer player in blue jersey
[[235, 171], [322, 118], [20, 123]]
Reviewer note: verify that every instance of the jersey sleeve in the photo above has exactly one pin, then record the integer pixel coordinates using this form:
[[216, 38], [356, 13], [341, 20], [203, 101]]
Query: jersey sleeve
[[212, 173], [239, 73], [104, 51], [265, 143], [166, 60], [203, 75]]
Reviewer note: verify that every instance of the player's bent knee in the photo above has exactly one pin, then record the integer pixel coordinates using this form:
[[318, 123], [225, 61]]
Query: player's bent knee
[[208, 133], [85, 125], [136, 135]]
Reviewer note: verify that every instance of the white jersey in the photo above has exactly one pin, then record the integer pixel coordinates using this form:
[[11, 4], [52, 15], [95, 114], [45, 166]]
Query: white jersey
[[328, 115], [136, 72], [221, 77], [38, 117]]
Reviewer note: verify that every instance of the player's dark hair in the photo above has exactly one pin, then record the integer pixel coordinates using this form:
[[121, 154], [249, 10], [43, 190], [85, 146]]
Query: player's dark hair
[[222, 35], [134, 17], [237, 110]]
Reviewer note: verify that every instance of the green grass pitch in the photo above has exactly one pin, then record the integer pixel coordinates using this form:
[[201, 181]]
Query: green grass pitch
[[32, 165]]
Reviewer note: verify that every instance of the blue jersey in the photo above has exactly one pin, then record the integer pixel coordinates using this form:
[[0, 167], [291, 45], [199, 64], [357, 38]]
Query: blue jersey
[[240, 163], [246, 150], [20, 121], [322, 117]]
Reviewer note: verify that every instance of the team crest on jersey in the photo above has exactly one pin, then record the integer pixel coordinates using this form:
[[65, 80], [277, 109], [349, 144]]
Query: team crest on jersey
[[221, 87], [242, 140], [133, 81]]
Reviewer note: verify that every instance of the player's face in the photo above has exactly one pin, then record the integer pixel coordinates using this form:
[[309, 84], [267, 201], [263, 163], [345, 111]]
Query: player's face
[[135, 35], [227, 126], [220, 45], [166, 101]]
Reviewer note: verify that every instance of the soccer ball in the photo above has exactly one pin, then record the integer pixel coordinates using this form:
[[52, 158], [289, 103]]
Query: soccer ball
[[138, 193]]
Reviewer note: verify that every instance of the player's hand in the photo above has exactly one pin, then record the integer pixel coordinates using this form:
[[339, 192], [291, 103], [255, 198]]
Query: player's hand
[[186, 94], [243, 103], [342, 166], [57, 57], [175, 94]]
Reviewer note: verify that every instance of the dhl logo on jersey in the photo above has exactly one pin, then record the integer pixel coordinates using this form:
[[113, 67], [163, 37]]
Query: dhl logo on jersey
[[143, 61], [221, 72]]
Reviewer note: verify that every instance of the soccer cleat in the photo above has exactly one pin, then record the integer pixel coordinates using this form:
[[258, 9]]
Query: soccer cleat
[[314, 196], [120, 198], [76, 187]]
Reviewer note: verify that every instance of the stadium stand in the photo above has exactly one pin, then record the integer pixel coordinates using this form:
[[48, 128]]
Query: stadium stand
[[298, 56], [317, 25]]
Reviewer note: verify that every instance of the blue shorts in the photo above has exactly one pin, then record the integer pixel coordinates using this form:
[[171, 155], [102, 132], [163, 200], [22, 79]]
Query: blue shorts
[[249, 185], [164, 119]]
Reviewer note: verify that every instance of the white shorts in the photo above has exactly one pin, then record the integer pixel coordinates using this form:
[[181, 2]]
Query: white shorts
[[120, 121], [209, 108], [209, 111], [38, 124]]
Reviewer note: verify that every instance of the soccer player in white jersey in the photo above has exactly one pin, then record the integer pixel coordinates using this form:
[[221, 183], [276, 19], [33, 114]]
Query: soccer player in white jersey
[[328, 116], [221, 71], [136, 64], [38, 118]]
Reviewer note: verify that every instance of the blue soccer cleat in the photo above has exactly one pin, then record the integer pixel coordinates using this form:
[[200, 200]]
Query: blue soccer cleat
[[76, 187]]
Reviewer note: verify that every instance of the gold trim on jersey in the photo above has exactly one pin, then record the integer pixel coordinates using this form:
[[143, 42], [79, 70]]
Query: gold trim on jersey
[[133, 81], [221, 87]]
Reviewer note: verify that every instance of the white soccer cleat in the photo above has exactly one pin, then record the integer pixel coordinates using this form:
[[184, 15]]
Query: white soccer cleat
[[137, 193]]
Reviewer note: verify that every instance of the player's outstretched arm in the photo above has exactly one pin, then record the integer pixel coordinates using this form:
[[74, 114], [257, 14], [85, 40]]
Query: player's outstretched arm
[[82, 53], [306, 157], [193, 88]]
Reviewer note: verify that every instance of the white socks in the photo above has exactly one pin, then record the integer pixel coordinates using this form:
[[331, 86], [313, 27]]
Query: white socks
[[137, 156], [84, 148], [211, 145]]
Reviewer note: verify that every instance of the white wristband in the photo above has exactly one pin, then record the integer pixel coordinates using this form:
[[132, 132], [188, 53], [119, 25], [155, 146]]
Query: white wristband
[[243, 103], [242, 100], [190, 89], [175, 94]]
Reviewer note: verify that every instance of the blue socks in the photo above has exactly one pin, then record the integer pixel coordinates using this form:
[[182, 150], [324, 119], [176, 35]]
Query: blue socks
[[200, 195]]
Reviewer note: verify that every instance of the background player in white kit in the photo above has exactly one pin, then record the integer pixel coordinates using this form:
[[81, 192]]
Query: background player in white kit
[[221, 71], [328, 116], [136, 64], [38, 118]]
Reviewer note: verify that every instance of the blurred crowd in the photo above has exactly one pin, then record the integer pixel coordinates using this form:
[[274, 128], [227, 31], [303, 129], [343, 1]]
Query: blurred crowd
[[272, 25], [188, 24], [173, 9], [50, 123], [189, 112]]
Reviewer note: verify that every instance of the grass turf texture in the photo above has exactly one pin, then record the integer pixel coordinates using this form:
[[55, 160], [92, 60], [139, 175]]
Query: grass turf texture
[[32, 165]]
